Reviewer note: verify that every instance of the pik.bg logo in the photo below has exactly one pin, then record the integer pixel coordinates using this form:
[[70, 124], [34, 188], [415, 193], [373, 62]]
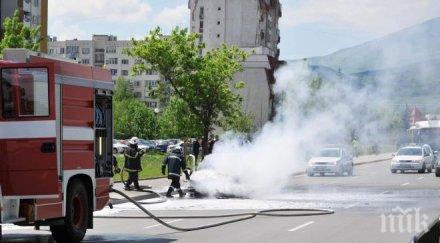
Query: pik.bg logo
[[404, 221]]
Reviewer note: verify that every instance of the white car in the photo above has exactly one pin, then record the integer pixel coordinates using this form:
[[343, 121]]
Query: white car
[[413, 157], [334, 160], [172, 147], [432, 155], [118, 147]]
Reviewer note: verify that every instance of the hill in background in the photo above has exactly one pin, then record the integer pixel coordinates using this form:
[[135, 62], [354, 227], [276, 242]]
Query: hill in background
[[406, 63]]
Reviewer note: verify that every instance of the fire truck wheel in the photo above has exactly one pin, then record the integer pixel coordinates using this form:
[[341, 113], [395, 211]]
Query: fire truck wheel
[[77, 214]]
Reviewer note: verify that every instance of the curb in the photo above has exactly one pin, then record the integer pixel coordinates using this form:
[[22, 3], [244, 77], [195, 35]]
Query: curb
[[372, 161]]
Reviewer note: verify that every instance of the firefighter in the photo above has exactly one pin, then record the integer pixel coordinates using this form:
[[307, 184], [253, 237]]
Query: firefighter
[[133, 163], [176, 163]]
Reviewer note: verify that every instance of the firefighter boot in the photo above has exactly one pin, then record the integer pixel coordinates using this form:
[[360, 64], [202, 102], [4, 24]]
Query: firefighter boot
[[170, 190], [180, 193], [136, 186]]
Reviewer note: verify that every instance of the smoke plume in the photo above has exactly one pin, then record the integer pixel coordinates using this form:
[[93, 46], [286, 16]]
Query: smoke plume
[[315, 109]]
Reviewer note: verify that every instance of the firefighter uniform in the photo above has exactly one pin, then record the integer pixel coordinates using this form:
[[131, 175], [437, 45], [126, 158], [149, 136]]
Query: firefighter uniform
[[176, 163], [133, 164]]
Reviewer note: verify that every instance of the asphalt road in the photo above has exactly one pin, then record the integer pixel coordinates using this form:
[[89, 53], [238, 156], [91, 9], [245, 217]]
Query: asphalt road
[[368, 208]]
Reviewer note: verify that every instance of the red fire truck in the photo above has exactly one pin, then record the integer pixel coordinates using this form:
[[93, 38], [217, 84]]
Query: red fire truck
[[55, 143]]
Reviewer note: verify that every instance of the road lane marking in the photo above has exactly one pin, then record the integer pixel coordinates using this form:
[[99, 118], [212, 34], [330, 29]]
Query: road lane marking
[[405, 184], [421, 177], [385, 192], [301, 226], [156, 225]]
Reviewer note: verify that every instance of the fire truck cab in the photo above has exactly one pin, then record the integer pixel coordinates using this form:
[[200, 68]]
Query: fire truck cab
[[55, 143]]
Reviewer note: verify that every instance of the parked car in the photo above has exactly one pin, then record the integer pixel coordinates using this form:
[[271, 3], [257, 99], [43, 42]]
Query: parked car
[[174, 141], [335, 160], [162, 146], [412, 157], [146, 145], [118, 147], [173, 146]]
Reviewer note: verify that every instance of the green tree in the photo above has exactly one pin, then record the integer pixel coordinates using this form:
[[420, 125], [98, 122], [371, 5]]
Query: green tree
[[133, 118], [202, 82], [16, 35], [239, 123], [177, 121], [122, 90]]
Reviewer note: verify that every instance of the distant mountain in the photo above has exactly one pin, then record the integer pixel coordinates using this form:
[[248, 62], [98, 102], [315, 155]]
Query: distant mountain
[[413, 80], [411, 46]]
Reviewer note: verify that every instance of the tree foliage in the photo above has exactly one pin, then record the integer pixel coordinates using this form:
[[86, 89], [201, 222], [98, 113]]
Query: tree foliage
[[122, 90], [239, 123], [134, 118], [16, 35], [202, 82], [177, 121]]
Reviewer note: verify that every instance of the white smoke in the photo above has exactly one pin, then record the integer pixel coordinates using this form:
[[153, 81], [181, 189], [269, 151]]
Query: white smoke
[[311, 113]]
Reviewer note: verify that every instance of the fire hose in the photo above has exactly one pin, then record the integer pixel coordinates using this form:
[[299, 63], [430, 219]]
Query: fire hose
[[297, 212]]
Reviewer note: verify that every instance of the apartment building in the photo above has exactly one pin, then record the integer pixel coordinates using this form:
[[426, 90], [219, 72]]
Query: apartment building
[[33, 13], [251, 25], [107, 51]]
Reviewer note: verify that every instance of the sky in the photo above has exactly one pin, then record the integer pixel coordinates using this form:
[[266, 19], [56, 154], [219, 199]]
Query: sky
[[308, 27]]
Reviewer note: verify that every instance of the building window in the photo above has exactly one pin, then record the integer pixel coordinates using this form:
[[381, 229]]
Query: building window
[[114, 72], [85, 51], [201, 25], [137, 83], [152, 104], [202, 13], [99, 58], [99, 50], [151, 72], [124, 72], [35, 20], [152, 83], [110, 49], [27, 16], [85, 61], [62, 50], [125, 61], [219, 8], [50, 51], [112, 61], [36, 3], [72, 51], [218, 35], [218, 22], [137, 95]]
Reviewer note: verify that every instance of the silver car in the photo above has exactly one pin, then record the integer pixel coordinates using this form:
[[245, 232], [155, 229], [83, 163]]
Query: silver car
[[412, 157], [331, 160]]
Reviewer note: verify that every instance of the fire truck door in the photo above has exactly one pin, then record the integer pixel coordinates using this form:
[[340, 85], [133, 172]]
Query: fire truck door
[[28, 154]]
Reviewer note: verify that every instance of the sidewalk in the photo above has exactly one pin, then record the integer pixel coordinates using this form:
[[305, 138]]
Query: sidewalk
[[161, 185]]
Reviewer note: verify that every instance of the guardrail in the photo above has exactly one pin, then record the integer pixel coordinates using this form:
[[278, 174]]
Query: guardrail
[[431, 234]]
